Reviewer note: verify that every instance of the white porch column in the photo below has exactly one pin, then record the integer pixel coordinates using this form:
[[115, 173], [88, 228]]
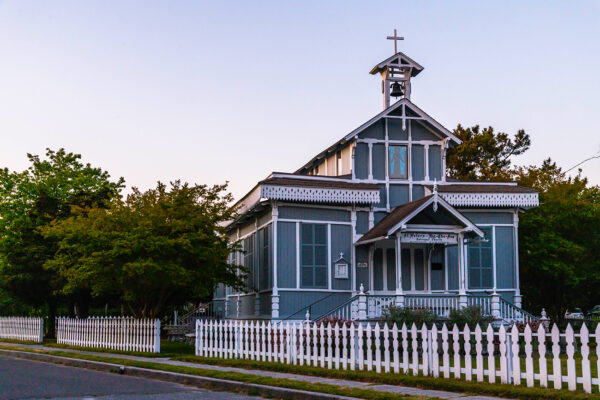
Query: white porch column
[[517, 299], [462, 271], [275, 294], [399, 292]]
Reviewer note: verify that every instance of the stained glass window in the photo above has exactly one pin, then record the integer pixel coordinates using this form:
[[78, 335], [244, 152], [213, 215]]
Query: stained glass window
[[398, 162]]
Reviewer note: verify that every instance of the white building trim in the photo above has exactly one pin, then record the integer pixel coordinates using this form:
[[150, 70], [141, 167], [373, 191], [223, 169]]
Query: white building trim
[[524, 200], [319, 195]]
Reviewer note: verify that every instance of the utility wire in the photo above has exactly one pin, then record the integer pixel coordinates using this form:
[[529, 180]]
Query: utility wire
[[597, 155]]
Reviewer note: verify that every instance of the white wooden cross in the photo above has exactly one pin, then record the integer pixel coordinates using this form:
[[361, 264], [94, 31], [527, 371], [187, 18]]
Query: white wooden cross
[[395, 38]]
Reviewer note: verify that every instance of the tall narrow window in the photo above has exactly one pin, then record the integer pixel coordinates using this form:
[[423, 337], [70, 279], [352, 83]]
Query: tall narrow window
[[338, 163], [398, 162], [249, 262], [481, 262], [265, 275], [313, 263]]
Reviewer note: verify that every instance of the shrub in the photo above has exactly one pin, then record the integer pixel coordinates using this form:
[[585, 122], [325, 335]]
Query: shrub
[[470, 316], [333, 321], [398, 315]]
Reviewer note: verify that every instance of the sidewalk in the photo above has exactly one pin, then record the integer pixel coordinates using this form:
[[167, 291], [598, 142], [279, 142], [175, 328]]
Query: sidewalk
[[311, 379]]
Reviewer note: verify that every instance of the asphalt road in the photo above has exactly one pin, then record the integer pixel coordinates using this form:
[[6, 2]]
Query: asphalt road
[[24, 379]]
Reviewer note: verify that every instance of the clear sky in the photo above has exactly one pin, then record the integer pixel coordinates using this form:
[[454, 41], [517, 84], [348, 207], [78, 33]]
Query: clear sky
[[214, 91]]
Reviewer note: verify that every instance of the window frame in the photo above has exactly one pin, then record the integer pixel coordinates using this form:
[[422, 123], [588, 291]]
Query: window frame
[[314, 266], [480, 247]]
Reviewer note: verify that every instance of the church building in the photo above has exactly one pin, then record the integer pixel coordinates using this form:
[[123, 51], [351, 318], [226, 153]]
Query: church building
[[375, 216]]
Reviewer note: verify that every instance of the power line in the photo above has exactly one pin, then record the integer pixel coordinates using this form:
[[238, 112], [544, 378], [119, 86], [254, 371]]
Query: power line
[[597, 155]]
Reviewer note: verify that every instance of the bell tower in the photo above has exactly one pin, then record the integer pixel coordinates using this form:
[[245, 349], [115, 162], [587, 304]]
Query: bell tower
[[395, 73]]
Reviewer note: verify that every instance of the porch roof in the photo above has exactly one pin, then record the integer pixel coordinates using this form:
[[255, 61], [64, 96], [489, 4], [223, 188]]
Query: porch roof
[[404, 213]]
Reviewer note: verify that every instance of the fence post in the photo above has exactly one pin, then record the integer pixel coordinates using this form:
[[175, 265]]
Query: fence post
[[362, 304], [545, 321], [157, 336], [495, 305]]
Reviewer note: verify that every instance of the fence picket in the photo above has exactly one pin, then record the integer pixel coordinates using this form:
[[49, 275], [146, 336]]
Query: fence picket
[[543, 366], [468, 358], [22, 328], [377, 333], [386, 348], [516, 361], [570, 339], [369, 348], [445, 354], [456, 349], [404, 348], [528, 358], [478, 355], [435, 367], [585, 362], [415, 349], [490, 349], [361, 362], [110, 333], [556, 368], [396, 355]]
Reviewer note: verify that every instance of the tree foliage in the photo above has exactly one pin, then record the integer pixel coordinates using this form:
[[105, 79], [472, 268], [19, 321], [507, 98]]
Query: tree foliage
[[155, 250], [484, 153], [29, 201], [559, 241]]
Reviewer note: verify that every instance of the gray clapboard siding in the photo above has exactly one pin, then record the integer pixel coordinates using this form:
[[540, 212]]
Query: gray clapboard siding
[[391, 269], [378, 269], [418, 162], [362, 274], [264, 218], [482, 217], [286, 254], [435, 163], [341, 242], [292, 303], [375, 131], [361, 161], [398, 195], [378, 161], [452, 265], [418, 132], [362, 222], [418, 192], [395, 131], [314, 214], [505, 257]]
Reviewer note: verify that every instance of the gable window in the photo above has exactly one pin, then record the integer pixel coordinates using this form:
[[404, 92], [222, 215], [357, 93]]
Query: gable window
[[398, 162], [481, 263], [313, 263], [338, 163]]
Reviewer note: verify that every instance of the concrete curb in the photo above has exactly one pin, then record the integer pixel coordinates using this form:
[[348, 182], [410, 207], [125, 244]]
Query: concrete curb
[[184, 379]]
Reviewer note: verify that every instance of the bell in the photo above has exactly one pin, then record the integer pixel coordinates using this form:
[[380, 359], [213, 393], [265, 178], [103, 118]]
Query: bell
[[396, 90]]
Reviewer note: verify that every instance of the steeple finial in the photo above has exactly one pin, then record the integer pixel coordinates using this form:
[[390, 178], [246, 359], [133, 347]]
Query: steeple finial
[[395, 38]]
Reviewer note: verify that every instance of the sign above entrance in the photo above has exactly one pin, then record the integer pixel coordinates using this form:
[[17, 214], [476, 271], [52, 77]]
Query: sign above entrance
[[414, 237]]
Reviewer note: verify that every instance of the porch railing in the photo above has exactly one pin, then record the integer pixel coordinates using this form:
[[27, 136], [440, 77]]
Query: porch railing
[[440, 304]]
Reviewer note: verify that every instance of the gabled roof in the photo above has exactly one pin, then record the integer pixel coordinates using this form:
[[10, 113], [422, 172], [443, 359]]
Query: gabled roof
[[401, 215], [398, 60], [407, 104]]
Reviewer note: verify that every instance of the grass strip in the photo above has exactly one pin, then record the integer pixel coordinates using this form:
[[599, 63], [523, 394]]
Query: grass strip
[[233, 376], [422, 382], [167, 349]]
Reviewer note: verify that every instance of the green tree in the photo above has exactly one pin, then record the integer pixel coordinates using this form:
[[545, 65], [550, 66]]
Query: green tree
[[485, 154], [30, 201], [156, 250], [559, 242]]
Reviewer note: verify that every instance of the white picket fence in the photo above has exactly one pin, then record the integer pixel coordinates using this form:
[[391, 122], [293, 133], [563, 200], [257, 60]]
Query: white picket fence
[[118, 333], [498, 356], [22, 328]]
